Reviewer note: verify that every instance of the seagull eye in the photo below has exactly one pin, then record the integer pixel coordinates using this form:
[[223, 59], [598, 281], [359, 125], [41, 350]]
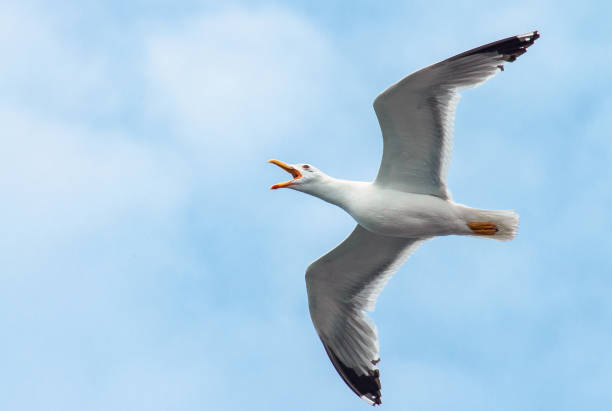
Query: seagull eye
[[306, 166]]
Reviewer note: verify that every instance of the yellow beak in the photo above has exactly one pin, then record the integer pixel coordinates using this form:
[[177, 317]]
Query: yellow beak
[[290, 169]]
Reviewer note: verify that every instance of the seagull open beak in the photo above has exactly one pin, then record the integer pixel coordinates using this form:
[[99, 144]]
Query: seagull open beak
[[292, 170]]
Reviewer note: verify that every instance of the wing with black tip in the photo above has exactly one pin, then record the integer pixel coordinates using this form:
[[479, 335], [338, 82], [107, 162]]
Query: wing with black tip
[[341, 286], [416, 115]]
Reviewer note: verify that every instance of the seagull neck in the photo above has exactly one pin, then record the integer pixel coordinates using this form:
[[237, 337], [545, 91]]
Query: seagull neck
[[336, 191]]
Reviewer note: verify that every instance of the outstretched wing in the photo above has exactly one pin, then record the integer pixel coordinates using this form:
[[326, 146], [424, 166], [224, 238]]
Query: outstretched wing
[[341, 285], [416, 115]]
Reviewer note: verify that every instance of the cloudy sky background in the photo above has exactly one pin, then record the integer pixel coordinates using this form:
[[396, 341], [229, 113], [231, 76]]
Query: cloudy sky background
[[145, 265]]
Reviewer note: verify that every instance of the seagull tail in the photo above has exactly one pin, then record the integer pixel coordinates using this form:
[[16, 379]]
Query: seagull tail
[[494, 224]]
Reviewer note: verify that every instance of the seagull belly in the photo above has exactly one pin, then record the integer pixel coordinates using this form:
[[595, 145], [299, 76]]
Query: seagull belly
[[399, 214]]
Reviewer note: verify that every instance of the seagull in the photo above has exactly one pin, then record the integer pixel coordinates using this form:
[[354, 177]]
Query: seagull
[[406, 204]]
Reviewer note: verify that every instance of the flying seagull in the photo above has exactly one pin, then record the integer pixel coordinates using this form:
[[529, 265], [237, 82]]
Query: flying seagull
[[407, 203]]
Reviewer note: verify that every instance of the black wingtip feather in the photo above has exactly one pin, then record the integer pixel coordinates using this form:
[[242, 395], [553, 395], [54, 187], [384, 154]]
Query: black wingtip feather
[[510, 48], [363, 385]]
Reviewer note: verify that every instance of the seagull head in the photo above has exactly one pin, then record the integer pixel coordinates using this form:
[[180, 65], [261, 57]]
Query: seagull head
[[305, 176]]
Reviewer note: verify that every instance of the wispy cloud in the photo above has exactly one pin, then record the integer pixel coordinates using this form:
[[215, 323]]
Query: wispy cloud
[[239, 81], [145, 264]]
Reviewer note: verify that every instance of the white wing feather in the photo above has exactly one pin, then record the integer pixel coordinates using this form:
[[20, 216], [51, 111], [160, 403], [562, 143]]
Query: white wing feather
[[416, 115], [341, 285]]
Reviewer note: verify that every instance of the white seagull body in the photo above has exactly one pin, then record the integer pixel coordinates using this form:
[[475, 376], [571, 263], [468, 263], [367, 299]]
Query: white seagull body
[[406, 204]]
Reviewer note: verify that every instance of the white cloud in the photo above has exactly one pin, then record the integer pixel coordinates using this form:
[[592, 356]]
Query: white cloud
[[230, 84], [63, 178], [238, 81], [44, 73]]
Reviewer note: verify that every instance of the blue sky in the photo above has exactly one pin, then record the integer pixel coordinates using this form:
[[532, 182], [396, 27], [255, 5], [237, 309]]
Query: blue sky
[[146, 265]]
